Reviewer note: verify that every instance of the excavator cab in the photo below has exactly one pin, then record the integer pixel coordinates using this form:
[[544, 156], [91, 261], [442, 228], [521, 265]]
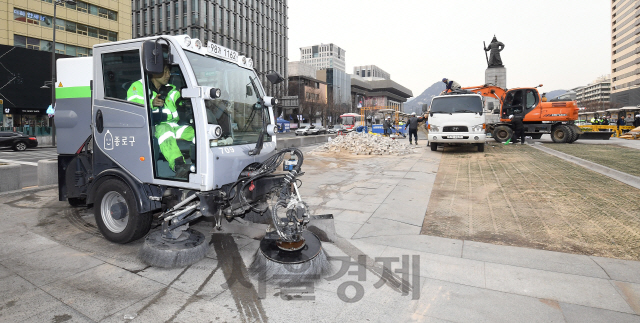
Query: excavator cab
[[519, 102]]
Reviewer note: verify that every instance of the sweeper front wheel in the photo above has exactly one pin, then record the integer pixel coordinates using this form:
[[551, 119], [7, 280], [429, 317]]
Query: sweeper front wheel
[[187, 249]]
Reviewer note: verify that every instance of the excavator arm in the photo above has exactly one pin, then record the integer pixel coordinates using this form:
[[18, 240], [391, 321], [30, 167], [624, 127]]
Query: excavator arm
[[489, 91]]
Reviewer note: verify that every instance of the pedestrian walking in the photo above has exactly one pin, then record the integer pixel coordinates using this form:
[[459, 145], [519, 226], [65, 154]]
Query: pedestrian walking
[[412, 124]]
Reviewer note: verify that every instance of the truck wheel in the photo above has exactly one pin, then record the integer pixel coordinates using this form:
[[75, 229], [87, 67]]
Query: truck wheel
[[574, 132], [561, 134], [434, 146], [20, 146], [481, 147], [502, 133], [117, 215]]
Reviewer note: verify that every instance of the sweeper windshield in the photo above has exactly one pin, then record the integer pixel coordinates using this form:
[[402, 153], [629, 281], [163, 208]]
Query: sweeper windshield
[[237, 110]]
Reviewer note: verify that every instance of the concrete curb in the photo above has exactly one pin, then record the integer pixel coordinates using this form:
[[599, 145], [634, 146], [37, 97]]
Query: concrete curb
[[10, 175], [630, 180], [28, 190], [47, 172], [301, 141]]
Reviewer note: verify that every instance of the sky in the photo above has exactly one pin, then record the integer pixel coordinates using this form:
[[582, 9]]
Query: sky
[[562, 44]]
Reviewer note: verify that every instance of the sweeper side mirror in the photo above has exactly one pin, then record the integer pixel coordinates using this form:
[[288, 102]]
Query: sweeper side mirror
[[153, 58], [274, 77]]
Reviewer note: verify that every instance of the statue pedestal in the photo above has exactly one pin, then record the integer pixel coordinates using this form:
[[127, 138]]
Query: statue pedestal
[[498, 77]]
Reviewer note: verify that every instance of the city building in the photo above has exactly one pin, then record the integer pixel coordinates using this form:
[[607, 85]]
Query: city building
[[383, 93], [338, 88], [324, 56], [79, 26], [365, 71], [26, 40], [310, 104], [625, 73], [596, 93], [255, 28]]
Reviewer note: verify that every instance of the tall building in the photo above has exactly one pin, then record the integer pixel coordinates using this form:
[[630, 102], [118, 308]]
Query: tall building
[[79, 26], [624, 50], [596, 91], [255, 28], [310, 94], [365, 71], [26, 39], [382, 93], [323, 56]]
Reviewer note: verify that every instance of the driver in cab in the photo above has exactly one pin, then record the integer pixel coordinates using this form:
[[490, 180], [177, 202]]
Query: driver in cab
[[164, 98]]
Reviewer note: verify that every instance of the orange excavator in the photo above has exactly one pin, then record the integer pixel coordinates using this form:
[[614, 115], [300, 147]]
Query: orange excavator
[[554, 117]]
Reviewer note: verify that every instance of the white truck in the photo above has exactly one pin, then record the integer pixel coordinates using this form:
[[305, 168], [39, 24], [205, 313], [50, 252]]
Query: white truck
[[457, 118]]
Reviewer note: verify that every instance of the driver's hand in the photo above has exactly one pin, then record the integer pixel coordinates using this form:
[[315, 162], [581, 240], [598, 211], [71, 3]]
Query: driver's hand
[[157, 102]]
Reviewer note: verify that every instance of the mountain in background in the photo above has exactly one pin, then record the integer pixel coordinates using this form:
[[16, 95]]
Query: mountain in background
[[553, 94], [415, 104]]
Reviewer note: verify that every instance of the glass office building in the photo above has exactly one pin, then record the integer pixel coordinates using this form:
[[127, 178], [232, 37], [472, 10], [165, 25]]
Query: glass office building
[[255, 28]]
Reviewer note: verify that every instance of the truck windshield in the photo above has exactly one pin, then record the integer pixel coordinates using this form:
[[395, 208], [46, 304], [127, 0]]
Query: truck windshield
[[457, 104], [238, 110]]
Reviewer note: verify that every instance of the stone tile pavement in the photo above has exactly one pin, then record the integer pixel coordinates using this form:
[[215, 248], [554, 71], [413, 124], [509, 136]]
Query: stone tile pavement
[[54, 266]]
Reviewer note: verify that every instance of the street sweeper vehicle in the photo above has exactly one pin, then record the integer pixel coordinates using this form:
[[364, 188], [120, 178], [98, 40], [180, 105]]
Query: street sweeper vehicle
[[555, 118], [166, 130]]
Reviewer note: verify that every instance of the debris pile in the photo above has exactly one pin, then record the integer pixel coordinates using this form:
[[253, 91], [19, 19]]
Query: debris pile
[[633, 134], [365, 144]]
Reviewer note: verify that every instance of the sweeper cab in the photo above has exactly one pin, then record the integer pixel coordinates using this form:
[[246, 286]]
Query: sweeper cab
[[166, 130]]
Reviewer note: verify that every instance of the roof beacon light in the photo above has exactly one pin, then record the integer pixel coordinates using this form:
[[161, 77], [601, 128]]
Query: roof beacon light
[[187, 41], [198, 44]]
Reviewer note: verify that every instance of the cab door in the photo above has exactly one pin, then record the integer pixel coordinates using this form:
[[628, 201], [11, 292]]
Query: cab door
[[532, 109], [514, 104], [120, 132]]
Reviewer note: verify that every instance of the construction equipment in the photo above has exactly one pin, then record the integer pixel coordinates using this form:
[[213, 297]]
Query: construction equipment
[[116, 136], [554, 118]]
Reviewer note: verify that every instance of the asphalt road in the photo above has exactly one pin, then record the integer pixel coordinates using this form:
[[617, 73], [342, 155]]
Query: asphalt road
[[29, 161]]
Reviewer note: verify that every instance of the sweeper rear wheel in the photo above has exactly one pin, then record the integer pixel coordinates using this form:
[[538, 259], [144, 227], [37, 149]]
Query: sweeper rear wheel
[[187, 249]]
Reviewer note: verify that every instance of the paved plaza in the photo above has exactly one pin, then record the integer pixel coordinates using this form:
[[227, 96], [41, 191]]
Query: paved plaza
[[55, 266]]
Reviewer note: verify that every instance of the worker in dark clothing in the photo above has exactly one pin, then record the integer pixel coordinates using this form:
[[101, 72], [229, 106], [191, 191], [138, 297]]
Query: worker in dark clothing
[[412, 124], [621, 122], [518, 127], [387, 126], [451, 85]]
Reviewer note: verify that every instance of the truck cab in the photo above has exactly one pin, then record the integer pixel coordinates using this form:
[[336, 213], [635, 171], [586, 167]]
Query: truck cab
[[457, 118]]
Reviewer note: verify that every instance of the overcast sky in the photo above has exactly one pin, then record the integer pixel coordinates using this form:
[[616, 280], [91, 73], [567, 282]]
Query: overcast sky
[[559, 43]]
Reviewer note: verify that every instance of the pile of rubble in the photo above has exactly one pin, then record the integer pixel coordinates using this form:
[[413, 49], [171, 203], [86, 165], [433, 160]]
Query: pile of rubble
[[365, 144]]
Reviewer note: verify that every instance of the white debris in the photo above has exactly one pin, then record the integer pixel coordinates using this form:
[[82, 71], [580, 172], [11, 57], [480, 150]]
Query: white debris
[[365, 144]]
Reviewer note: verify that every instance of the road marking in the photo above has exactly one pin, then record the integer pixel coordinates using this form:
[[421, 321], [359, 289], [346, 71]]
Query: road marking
[[18, 162]]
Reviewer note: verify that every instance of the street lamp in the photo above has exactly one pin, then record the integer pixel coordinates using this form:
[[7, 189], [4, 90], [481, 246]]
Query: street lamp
[[53, 66]]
